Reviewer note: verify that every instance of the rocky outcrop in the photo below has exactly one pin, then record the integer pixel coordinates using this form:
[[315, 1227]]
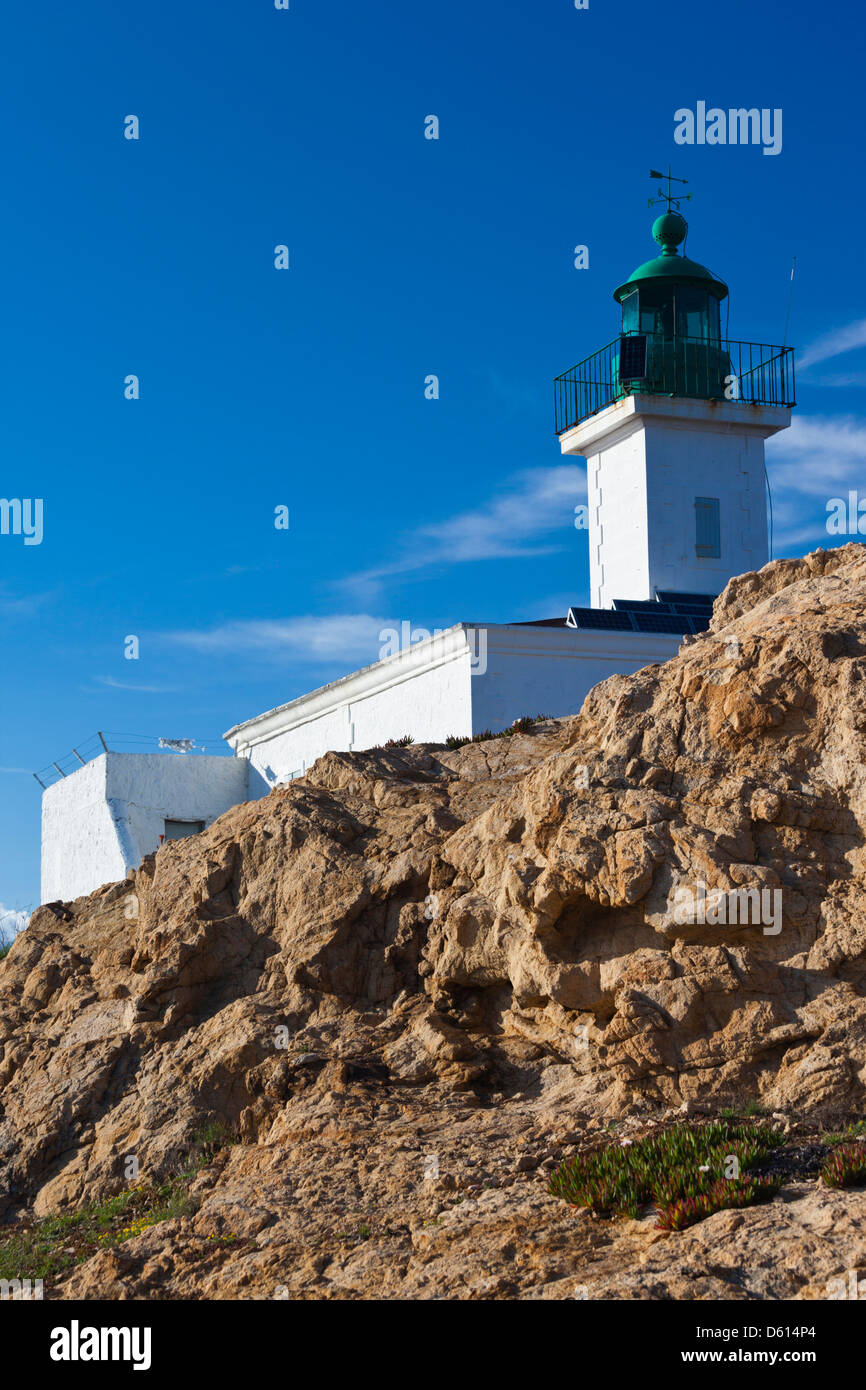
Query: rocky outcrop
[[655, 906]]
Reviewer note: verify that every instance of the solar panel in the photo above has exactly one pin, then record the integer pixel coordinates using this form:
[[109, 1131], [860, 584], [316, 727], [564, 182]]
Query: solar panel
[[661, 622], [636, 605], [539, 622], [697, 609], [641, 615], [675, 596], [600, 618], [632, 357]]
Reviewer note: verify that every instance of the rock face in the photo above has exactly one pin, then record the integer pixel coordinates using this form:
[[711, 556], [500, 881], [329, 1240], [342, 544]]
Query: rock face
[[476, 957]]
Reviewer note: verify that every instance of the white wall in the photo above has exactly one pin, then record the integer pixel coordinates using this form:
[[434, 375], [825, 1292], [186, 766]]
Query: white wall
[[82, 845], [648, 458], [104, 818], [465, 681], [616, 494], [686, 460], [551, 670], [423, 691]]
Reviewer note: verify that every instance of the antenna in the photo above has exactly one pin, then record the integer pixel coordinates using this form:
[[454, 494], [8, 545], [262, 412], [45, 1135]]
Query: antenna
[[669, 197], [790, 297], [770, 499]]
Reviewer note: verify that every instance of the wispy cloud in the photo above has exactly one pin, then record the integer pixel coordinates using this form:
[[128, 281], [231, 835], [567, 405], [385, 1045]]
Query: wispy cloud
[[819, 457], [17, 606], [549, 605], [842, 379], [832, 344], [139, 689], [818, 451], [339, 637], [530, 517]]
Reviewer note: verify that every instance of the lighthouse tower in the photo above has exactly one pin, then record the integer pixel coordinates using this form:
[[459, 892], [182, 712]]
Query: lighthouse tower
[[672, 417]]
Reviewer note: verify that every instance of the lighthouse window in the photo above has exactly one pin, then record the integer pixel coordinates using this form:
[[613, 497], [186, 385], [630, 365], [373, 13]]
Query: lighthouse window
[[657, 313], [180, 829], [707, 528], [630, 317], [691, 313], [697, 314]]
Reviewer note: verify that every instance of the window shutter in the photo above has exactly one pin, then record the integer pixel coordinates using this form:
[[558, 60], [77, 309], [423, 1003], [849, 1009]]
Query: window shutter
[[707, 528], [179, 829]]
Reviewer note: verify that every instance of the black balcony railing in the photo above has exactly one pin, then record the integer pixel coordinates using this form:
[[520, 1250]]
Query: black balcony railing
[[700, 368]]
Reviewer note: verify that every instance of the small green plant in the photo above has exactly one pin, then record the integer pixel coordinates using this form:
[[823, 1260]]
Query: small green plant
[[683, 1170], [753, 1108], [725, 1193], [520, 726], [845, 1166], [855, 1129], [51, 1245], [403, 742], [207, 1142]]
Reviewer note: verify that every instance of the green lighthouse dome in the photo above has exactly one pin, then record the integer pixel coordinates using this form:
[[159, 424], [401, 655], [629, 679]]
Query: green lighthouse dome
[[670, 268], [672, 297]]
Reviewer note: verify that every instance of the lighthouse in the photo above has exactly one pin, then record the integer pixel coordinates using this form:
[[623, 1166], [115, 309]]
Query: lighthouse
[[671, 417]]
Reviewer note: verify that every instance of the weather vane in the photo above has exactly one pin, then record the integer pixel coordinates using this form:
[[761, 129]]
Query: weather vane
[[668, 197]]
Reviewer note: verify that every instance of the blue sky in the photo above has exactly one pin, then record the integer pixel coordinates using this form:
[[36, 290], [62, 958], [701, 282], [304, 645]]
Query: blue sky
[[408, 257]]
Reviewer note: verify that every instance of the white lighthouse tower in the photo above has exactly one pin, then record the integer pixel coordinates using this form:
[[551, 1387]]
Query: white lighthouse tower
[[672, 419]]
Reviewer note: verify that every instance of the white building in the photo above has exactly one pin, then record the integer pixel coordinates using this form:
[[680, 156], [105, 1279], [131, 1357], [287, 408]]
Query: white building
[[463, 681], [672, 421], [103, 819]]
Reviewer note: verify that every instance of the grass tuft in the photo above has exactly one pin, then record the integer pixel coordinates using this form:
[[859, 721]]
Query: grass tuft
[[520, 726], [52, 1245]]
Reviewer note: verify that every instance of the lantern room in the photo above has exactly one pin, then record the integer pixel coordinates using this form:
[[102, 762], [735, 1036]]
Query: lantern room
[[671, 296]]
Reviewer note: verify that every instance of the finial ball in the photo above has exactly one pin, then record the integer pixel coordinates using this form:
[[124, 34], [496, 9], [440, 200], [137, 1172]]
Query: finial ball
[[670, 229]]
